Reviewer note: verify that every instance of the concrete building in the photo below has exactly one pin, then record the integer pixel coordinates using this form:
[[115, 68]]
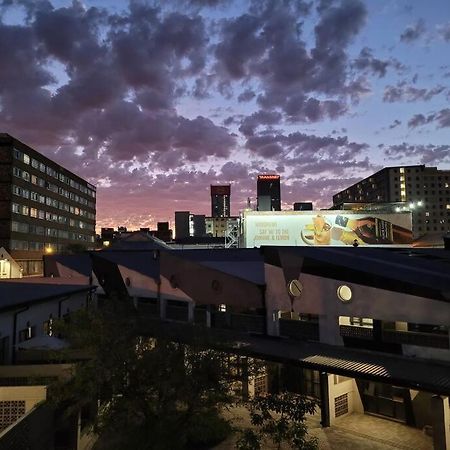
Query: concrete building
[[220, 201], [189, 225], [423, 190], [218, 226], [268, 193], [303, 206], [44, 208], [367, 330]]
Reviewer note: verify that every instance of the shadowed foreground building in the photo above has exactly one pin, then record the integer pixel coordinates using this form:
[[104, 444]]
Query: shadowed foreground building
[[43, 207]]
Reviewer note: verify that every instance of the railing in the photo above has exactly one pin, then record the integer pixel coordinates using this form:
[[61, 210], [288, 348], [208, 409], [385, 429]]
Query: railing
[[356, 332], [415, 338], [299, 329]]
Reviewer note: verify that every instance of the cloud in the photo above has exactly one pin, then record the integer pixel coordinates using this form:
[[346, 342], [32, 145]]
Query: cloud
[[395, 124], [250, 123], [413, 32], [267, 46], [441, 118], [246, 96], [444, 31], [404, 93], [367, 62], [425, 154]]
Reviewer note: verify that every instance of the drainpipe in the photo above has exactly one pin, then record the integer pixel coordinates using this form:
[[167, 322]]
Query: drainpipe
[[14, 339], [59, 305]]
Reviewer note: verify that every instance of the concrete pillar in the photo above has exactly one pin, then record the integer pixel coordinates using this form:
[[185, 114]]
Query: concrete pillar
[[441, 422], [273, 322], [162, 308], [208, 316], [324, 400], [329, 331], [191, 308]]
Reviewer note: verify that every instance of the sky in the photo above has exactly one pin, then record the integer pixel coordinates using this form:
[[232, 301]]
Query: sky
[[155, 101]]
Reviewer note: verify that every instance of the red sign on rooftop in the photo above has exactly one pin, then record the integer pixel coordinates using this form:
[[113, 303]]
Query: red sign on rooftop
[[268, 177]]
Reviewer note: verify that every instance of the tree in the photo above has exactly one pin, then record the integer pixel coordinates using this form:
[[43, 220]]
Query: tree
[[279, 418], [152, 393]]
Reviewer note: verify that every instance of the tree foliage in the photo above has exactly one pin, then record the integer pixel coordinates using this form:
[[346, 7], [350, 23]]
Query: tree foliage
[[156, 394], [152, 393], [279, 418]]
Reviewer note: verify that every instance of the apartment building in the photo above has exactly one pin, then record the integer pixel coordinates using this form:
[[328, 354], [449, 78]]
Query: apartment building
[[423, 190], [44, 208]]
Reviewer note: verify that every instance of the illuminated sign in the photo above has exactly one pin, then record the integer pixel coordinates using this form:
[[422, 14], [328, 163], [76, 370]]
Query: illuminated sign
[[268, 177], [326, 228]]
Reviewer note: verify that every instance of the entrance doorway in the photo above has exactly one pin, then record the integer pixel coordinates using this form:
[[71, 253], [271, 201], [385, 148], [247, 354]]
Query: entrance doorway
[[5, 268]]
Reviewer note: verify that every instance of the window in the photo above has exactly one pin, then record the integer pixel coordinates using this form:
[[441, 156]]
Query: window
[[19, 227], [33, 212], [26, 158], [27, 333]]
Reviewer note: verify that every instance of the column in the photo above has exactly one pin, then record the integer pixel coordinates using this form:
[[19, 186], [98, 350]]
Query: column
[[272, 322], [162, 308], [191, 308], [441, 422], [324, 400]]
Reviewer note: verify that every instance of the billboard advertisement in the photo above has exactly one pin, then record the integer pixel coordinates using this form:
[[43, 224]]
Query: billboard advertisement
[[326, 228]]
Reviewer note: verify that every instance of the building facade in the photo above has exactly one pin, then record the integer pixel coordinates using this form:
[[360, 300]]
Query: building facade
[[268, 193], [219, 226], [303, 206], [423, 190], [220, 201], [44, 208]]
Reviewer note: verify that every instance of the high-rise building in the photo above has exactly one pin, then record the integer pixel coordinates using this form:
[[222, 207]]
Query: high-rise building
[[220, 201], [268, 193], [303, 206], [423, 190], [44, 208], [189, 225]]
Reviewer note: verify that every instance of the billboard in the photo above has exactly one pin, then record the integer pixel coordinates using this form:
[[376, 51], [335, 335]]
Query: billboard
[[326, 228]]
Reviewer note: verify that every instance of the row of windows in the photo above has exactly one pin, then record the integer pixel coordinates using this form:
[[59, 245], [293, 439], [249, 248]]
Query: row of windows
[[33, 179], [49, 201], [89, 190], [18, 244], [45, 215], [21, 227]]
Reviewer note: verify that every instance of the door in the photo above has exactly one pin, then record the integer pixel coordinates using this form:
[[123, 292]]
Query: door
[[5, 268]]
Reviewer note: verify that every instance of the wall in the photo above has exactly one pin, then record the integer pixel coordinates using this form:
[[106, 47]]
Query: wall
[[31, 394], [348, 387]]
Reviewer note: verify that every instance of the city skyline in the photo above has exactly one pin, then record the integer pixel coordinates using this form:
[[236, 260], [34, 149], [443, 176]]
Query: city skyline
[[155, 101]]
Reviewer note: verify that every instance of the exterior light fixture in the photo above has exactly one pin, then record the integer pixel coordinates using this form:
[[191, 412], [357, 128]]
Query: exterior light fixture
[[295, 288], [48, 250], [419, 203], [344, 293], [106, 243]]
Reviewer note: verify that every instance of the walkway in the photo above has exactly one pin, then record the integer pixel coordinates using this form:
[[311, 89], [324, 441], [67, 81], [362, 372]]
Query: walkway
[[353, 432]]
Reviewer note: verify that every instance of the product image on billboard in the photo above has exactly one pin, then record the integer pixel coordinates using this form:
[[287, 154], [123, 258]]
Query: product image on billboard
[[321, 228]]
